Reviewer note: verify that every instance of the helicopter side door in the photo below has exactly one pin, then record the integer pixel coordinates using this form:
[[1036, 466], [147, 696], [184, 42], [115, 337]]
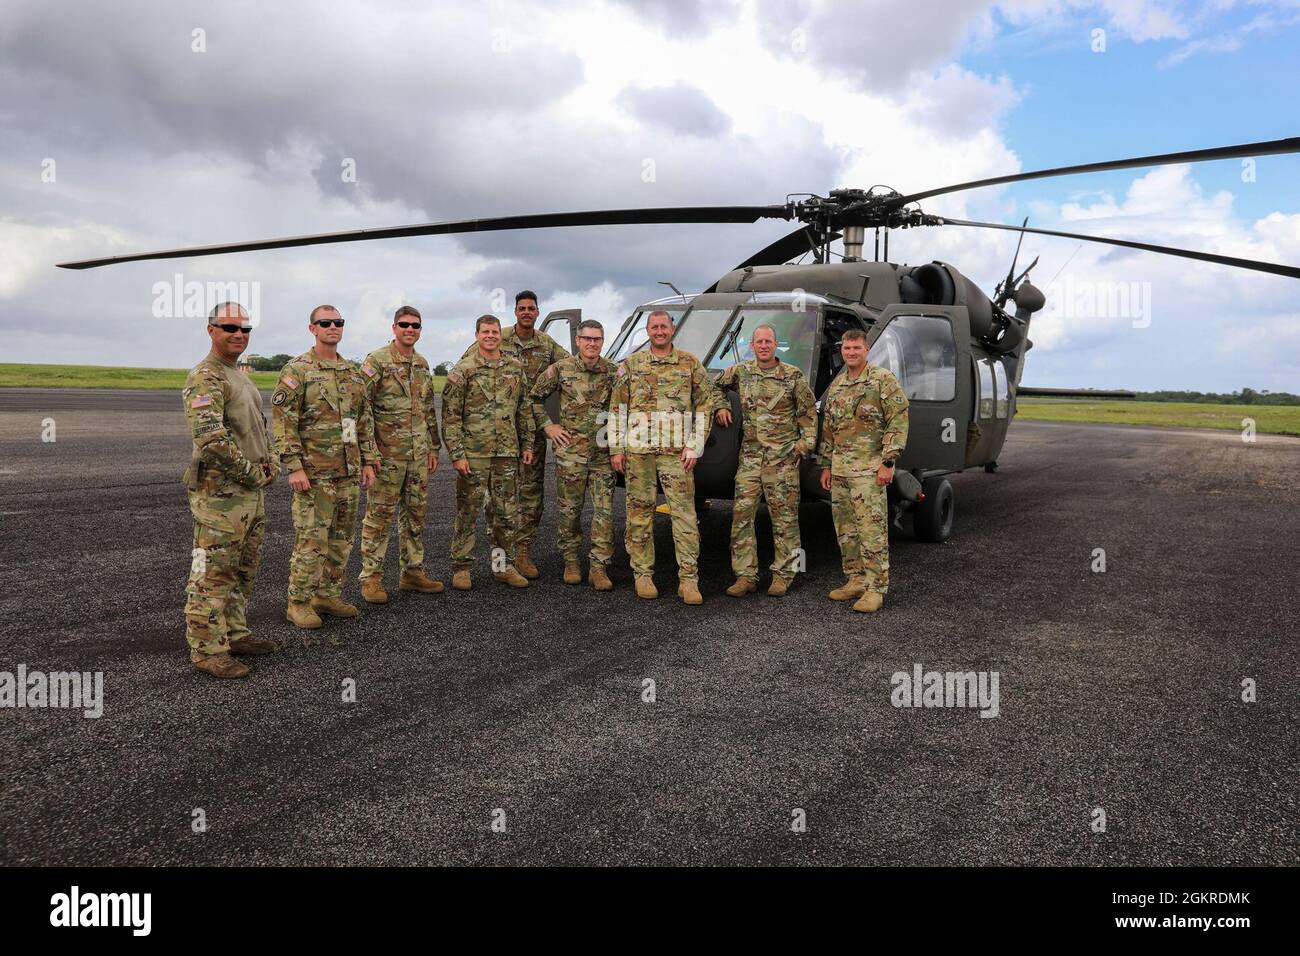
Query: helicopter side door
[[927, 347], [562, 325]]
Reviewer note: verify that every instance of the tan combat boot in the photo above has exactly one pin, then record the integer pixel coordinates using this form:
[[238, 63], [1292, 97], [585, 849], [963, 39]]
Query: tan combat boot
[[742, 587], [778, 587], [414, 579], [512, 577], [218, 665], [334, 607], [850, 589], [303, 615], [599, 577], [460, 581], [869, 603], [252, 646], [645, 587], [372, 590], [572, 572], [524, 564], [689, 592]]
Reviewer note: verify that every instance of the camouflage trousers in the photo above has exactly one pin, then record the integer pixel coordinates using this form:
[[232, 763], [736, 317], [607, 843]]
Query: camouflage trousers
[[324, 517], [779, 483], [531, 482], [573, 481], [494, 481], [401, 491], [861, 510], [229, 525], [679, 492]]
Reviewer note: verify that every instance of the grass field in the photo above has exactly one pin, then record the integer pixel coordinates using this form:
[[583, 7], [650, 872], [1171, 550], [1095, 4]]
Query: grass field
[[99, 376], [1269, 419]]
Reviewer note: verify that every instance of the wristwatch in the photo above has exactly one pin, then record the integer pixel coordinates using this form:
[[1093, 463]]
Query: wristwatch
[[888, 463]]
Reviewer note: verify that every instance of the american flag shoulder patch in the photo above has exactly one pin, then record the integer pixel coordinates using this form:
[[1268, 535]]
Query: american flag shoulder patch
[[289, 381], [368, 370], [201, 402]]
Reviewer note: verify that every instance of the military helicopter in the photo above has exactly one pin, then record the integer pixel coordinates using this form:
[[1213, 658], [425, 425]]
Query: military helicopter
[[958, 353]]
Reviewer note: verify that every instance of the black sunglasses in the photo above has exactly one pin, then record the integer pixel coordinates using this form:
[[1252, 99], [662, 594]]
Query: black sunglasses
[[326, 323], [232, 329], [408, 325]]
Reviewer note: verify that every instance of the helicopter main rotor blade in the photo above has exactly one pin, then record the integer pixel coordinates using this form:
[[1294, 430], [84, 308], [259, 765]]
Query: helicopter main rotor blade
[[1253, 264], [595, 217], [783, 250], [1268, 148]]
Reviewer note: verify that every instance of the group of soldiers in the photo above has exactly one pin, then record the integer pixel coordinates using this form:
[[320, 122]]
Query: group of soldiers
[[340, 427]]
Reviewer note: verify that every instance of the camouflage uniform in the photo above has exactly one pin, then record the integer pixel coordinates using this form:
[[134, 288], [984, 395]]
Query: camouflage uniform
[[401, 397], [485, 410], [231, 464], [536, 354], [658, 406], [584, 464], [865, 422], [780, 424], [323, 425]]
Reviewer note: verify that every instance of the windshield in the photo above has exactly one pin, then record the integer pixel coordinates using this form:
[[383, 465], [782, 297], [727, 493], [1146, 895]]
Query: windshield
[[796, 337], [695, 333]]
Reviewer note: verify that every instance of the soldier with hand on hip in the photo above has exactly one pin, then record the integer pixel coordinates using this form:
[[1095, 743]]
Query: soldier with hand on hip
[[232, 463], [584, 382]]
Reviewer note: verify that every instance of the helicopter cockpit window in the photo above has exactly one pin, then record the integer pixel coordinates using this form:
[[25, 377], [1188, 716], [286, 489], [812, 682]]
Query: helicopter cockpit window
[[634, 338], [921, 352], [796, 335], [986, 388]]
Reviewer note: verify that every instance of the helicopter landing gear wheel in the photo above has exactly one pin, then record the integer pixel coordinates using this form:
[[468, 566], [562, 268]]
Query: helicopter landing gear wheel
[[932, 518]]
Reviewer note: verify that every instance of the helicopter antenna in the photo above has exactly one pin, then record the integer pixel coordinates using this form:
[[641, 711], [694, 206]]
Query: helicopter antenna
[[1066, 263], [1004, 291], [673, 287]]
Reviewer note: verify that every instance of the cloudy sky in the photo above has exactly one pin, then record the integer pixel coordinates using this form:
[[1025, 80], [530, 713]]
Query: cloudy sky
[[149, 125]]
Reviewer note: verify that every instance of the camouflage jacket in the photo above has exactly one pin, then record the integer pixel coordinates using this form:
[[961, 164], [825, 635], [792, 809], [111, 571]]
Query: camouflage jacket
[[321, 418], [400, 392], [231, 441], [584, 407], [485, 408], [865, 422], [661, 404], [779, 410], [536, 354]]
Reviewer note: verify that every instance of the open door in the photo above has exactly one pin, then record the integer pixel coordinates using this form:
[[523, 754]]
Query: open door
[[562, 325], [927, 347]]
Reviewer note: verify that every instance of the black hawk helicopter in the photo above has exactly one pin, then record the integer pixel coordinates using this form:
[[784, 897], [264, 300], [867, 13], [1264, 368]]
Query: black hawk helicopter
[[958, 353]]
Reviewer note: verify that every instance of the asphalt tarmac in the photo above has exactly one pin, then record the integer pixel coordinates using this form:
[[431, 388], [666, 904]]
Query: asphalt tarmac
[[1118, 691]]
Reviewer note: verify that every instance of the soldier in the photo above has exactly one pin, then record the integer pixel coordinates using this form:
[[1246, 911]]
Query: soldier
[[659, 418], [232, 462], [537, 352], [325, 437], [399, 388], [486, 419], [780, 430], [863, 433], [584, 382]]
